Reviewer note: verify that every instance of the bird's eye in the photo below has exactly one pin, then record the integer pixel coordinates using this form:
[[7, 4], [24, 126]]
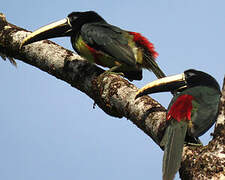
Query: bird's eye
[[72, 18], [190, 73]]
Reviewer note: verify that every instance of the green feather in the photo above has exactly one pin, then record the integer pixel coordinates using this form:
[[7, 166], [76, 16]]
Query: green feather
[[173, 142]]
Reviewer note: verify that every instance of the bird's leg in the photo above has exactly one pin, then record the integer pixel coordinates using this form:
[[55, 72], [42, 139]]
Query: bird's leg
[[193, 142], [112, 71]]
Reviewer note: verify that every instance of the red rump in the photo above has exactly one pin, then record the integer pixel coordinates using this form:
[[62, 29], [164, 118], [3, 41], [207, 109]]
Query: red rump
[[181, 108], [145, 42]]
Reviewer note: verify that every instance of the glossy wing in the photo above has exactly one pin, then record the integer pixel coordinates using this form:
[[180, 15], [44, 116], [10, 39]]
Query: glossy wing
[[110, 40]]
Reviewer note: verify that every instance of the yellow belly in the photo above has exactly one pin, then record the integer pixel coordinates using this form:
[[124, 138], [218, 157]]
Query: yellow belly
[[93, 55]]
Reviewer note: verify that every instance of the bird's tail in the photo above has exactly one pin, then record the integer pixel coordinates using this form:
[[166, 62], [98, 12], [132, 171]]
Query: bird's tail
[[173, 142], [153, 66]]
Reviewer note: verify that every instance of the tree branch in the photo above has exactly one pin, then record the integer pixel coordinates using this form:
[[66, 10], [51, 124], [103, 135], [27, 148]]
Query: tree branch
[[115, 96]]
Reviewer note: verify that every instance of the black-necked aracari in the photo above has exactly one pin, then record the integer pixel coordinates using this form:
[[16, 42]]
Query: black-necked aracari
[[191, 112], [104, 44]]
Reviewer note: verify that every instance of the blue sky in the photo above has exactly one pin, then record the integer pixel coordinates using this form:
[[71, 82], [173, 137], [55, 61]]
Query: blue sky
[[49, 130]]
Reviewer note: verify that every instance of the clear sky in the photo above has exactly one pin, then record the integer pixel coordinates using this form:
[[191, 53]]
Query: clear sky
[[49, 130]]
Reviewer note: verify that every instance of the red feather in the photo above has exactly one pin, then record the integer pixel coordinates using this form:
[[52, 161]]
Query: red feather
[[96, 55], [138, 38], [181, 108]]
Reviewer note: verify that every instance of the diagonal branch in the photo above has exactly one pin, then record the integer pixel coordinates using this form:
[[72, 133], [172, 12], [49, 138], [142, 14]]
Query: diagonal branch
[[115, 96]]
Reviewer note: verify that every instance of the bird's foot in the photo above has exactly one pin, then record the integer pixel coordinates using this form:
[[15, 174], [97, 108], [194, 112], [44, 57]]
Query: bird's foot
[[113, 71], [101, 76], [116, 73], [193, 144], [192, 141], [110, 71]]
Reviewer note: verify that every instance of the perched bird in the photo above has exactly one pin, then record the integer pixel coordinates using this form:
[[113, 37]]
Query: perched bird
[[104, 44], [192, 111]]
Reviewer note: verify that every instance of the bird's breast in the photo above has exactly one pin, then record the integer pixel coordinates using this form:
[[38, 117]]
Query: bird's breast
[[83, 49]]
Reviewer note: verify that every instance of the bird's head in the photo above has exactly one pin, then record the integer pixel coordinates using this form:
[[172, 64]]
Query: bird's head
[[178, 83], [65, 27], [77, 19]]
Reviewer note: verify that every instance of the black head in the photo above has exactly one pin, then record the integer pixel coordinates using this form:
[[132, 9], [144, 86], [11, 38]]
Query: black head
[[199, 78], [77, 19]]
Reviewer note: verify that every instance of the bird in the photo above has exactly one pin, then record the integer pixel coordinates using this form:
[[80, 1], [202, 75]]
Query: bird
[[191, 112], [103, 44]]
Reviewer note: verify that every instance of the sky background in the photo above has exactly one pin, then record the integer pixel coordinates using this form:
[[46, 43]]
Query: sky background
[[49, 130]]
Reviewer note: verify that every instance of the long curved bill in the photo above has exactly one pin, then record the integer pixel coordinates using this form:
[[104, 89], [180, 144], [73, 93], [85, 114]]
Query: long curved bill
[[57, 29], [170, 83]]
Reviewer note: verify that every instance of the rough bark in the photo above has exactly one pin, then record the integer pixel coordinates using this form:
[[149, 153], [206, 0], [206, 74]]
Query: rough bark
[[115, 96]]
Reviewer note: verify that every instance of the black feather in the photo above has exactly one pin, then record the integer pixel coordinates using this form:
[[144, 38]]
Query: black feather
[[110, 40]]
